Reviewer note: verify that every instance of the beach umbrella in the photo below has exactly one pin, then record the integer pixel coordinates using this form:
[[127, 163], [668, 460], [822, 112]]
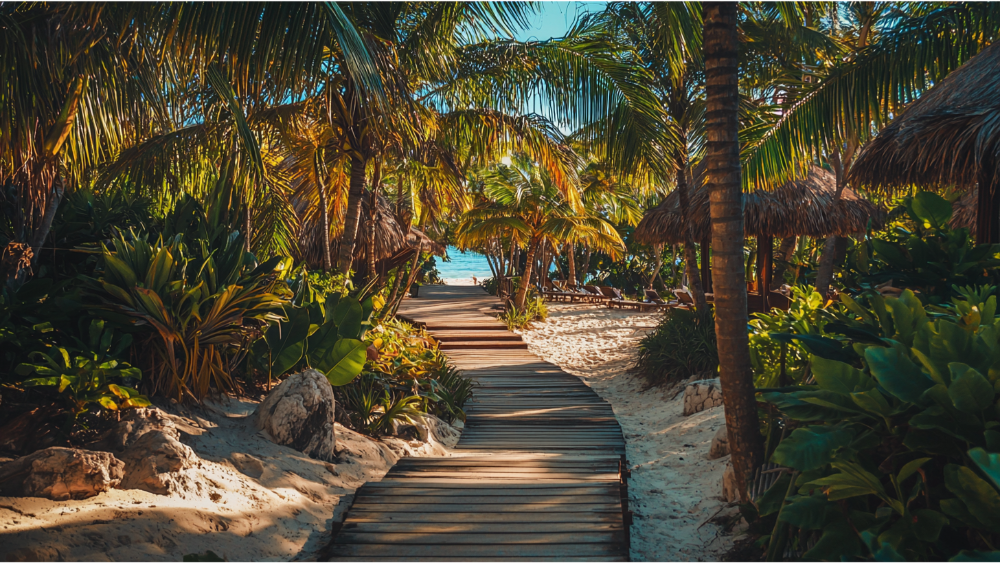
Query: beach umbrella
[[948, 137]]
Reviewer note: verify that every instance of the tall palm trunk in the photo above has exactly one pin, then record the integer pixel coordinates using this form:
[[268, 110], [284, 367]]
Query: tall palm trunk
[[522, 288], [785, 251], [571, 263], [585, 265], [658, 250], [726, 196], [824, 275], [45, 225], [324, 213], [690, 257], [345, 257]]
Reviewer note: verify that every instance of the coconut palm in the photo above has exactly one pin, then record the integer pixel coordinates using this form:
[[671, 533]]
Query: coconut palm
[[522, 200]]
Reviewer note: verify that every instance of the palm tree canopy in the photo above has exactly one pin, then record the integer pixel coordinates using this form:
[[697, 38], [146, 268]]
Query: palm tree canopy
[[801, 207], [945, 137]]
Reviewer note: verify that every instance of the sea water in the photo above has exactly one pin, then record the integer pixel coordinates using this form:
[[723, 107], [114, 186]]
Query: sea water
[[464, 265]]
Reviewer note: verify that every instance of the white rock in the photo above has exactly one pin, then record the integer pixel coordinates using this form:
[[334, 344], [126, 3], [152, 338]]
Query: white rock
[[156, 463], [299, 413], [701, 395], [720, 444], [61, 474]]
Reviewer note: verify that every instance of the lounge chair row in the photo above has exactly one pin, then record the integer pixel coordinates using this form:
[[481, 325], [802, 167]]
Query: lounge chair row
[[613, 297]]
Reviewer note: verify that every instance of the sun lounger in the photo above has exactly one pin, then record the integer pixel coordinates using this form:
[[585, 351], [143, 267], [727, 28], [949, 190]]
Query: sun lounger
[[596, 295]]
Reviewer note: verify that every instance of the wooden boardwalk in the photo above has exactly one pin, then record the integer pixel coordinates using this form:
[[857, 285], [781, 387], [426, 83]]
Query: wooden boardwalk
[[537, 473]]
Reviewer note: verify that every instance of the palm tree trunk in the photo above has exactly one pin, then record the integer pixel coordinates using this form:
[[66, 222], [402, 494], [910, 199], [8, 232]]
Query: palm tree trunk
[[324, 213], [658, 250], [42, 231], [522, 288], [585, 265], [825, 273], [571, 260], [345, 257], [785, 251], [673, 263], [726, 197], [690, 258]]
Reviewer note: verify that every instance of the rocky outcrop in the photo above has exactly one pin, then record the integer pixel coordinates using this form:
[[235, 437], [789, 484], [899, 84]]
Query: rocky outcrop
[[61, 474], [135, 424], [702, 395], [720, 444], [299, 413], [155, 462]]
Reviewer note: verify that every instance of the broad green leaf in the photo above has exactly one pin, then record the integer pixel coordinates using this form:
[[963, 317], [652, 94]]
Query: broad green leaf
[[287, 340], [812, 447], [891, 253], [772, 499], [809, 513], [933, 210], [928, 524], [988, 463], [969, 390], [108, 403], [839, 377], [897, 374], [350, 359], [910, 468], [838, 542], [978, 496], [348, 315]]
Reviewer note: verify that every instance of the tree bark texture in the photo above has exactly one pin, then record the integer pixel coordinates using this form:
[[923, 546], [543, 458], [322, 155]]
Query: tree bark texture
[[571, 263], [522, 289], [690, 257], [726, 204], [324, 211], [345, 256]]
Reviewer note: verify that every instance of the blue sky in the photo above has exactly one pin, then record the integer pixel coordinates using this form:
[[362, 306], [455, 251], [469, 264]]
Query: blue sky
[[553, 19]]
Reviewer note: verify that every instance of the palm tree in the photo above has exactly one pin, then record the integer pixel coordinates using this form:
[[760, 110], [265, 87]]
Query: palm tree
[[726, 197], [523, 201]]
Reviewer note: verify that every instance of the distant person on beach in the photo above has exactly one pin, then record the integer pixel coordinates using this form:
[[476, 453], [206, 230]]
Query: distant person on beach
[[475, 281]]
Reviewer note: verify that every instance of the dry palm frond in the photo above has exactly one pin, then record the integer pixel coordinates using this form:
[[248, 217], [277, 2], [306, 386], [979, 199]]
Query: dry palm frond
[[802, 207]]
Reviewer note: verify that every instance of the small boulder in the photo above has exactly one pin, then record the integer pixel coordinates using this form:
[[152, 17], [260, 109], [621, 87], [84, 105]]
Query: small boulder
[[61, 474], [155, 462], [299, 413], [134, 424], [720, 444], [702, 395], [247, 464]]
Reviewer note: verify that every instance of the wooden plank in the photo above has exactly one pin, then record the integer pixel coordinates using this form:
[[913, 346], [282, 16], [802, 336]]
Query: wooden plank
[[534, 476]]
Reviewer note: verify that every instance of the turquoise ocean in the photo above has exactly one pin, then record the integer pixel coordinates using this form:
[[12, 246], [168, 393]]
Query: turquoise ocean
[[464, 265]]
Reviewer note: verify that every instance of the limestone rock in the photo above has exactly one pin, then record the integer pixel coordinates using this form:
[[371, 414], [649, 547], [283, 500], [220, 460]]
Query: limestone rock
[[720, 444], [136, 423], [155, 463], [31, 554], [299, 414], [730, 491], [61, 474], [702, 395]]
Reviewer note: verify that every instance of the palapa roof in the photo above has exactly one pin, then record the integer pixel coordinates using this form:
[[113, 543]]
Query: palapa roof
[[417, 238], [942, 138], [801, 207], [390, 237]]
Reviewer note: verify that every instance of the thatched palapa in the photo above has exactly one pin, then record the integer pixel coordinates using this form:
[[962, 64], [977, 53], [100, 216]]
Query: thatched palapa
[[417, 239], [944, 138], [390, 237], [802, 207]]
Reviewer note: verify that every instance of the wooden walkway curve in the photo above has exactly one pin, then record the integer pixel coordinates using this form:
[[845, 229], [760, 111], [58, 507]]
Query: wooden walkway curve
[[537, 473]]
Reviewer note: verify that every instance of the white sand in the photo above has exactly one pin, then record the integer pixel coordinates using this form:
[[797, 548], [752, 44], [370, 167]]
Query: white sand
[[284, 513], [674, 489], [461, 281]]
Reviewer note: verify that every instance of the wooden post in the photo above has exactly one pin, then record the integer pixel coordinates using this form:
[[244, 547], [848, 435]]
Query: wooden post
[[764, 261], [988, 209], [706, 266]]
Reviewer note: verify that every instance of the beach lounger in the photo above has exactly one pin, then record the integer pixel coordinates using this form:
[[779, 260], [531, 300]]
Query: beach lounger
[[596, 295]]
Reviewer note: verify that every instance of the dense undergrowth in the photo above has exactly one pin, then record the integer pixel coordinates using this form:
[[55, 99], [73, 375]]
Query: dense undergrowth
[[129, 306]]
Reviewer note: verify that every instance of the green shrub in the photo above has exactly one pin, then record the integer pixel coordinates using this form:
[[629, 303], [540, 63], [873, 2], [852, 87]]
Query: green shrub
[[778, 340], [535, 309], [895, 446], [682, 345]]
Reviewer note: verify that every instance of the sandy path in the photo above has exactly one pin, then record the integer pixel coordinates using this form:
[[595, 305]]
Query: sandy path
[[674, 488]]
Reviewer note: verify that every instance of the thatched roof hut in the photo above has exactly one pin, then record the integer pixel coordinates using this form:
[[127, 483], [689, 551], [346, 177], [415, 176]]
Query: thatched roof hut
[[802, 207], [390, 237], [944, 138], [417, 239]]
